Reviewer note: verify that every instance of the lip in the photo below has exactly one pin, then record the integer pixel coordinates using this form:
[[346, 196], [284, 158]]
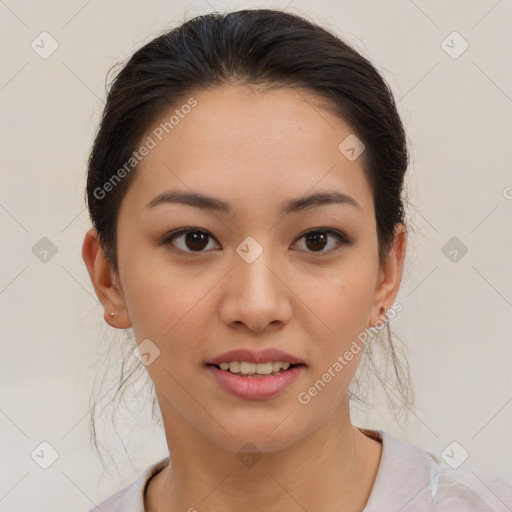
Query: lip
[[255, 388], [251, 356]]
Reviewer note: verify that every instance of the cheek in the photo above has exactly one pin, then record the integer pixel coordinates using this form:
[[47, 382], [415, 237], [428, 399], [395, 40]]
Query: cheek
[[156, 295], [342, 299], [171, 307]]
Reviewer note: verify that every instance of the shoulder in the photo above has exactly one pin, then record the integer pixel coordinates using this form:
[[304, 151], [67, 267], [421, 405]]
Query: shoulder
[[411, 478], [468, 486], [131, 497]]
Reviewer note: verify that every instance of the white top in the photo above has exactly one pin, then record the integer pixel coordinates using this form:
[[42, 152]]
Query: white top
[[409, 479]]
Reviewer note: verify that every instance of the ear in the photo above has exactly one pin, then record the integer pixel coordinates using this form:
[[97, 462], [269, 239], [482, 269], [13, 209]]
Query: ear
[[105, 281], [390, 275]]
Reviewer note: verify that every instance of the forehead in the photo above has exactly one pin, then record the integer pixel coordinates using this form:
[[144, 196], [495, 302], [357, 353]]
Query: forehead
[[243, 118], [240, 142]]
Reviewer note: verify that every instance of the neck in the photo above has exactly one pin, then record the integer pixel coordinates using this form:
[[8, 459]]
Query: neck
[[333, 468]]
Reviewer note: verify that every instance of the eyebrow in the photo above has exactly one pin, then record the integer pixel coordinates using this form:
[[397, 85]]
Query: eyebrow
[[206, 202]]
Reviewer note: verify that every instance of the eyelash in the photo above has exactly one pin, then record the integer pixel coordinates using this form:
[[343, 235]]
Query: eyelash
[[183, 231]]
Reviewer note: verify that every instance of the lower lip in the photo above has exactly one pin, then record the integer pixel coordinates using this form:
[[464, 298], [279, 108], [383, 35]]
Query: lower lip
[[255, 387]]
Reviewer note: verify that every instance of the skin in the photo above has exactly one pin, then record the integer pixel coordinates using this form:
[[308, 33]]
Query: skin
[[254, 149]]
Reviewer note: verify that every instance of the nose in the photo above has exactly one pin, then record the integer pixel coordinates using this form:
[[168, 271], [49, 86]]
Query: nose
[[256, 294]]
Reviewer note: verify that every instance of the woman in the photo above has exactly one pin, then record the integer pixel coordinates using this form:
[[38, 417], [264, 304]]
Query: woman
[[245, 188]]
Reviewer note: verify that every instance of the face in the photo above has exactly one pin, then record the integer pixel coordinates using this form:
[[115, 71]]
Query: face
[[304, 280]]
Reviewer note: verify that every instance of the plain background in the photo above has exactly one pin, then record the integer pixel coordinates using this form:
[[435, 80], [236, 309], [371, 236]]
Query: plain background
[[456, 321]]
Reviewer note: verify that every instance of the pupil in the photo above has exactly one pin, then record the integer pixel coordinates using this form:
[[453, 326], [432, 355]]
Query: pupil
[[194, 238], [317, 238]]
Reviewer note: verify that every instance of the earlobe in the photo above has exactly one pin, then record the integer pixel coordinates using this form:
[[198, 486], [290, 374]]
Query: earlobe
[[104, 281]]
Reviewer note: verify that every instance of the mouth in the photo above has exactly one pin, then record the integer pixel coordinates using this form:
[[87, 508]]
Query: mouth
[[255, 381], [256, 370], [255, 375]]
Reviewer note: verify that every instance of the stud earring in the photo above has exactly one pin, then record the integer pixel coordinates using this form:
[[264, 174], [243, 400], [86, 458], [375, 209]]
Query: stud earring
[[112, 313]]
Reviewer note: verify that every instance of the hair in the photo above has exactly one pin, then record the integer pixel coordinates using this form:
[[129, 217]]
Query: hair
[[262, 48]]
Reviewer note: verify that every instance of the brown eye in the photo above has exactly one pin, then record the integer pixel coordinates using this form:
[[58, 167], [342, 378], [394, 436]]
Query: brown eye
[[317, 240], [196, 240], [190, 240]]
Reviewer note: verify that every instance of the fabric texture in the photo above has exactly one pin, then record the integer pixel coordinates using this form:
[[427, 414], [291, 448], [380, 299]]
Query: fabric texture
[[409, 479]]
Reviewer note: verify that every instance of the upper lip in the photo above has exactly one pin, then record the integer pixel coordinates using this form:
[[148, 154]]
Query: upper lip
[[251, 356]]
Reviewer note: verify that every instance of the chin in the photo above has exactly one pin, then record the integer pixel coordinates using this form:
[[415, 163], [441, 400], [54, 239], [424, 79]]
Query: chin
[[266, 435]]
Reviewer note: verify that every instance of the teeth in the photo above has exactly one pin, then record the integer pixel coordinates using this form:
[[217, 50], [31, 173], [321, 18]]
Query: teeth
[[254, 368], [247, 368], [226, 366]]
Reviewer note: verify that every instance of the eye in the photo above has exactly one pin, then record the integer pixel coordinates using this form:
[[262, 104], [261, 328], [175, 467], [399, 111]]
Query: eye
[[194, 239], [316, 240]]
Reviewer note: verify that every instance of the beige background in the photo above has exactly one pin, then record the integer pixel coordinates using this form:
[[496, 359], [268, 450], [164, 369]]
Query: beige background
[[456, 320]]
